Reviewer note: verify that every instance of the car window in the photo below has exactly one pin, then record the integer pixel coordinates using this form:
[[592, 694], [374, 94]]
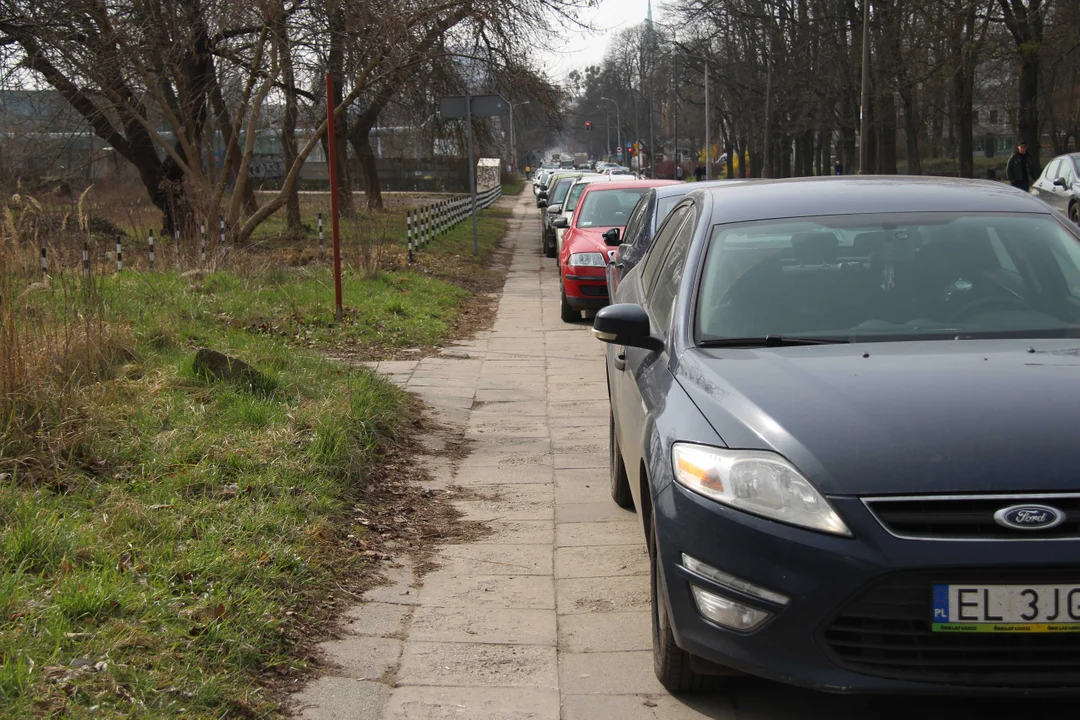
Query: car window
[[896, 277], [574, 195], [661, 243], [1066, 171], [1051, 171], [664, 206], [608, 208], [559, 193], [661, 296], [637, 219]]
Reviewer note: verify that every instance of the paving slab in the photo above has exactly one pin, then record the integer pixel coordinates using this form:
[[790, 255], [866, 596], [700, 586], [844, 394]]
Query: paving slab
[[601, 561], [599, 533], [608, 673], [340, 698], [606, 632], [362, 658], [597, 511], [446, 588], [473, 703], [592, 595], [478, 664], [484, 625]]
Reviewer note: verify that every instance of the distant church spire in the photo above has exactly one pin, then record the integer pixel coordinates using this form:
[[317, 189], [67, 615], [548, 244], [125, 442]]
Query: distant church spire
[[648, 18]]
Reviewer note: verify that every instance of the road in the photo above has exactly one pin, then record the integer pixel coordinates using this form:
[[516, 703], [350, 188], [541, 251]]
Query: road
[[548, 616]]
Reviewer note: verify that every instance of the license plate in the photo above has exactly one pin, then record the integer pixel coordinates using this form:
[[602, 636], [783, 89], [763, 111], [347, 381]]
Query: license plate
[[1006, 608]]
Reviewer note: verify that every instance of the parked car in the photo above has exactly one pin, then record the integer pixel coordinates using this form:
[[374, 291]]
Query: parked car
[[645, 218], [583, 257], [837, 406], [551, 205], [1059, 185], [568, 206]]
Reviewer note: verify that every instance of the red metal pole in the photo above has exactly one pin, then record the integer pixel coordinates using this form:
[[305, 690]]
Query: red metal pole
[[331, 142]]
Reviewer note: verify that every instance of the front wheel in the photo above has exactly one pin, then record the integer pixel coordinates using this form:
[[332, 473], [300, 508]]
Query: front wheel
[[568, 313], [670, 662], [620, 483], [549, 247], [1074, 213]]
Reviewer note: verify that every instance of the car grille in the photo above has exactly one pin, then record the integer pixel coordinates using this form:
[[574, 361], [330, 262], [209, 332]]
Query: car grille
[[885, 630], [959, 517], [593, 290]]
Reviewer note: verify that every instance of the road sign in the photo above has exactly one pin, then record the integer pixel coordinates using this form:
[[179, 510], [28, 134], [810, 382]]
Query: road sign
[[455, 106], [469, 107]]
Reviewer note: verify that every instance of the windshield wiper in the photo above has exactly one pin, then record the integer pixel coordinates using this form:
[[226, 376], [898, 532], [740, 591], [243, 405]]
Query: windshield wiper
[[768, 341]]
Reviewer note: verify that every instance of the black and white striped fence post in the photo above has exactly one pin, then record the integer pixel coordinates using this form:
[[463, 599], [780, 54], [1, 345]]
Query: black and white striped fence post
[[44, 265], [119, 255], [320, 237], [202, 243], [408, 232], [151, 249], [86, 258]]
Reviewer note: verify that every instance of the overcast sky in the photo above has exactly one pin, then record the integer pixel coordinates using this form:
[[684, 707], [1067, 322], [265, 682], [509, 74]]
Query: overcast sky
[[583, 49]]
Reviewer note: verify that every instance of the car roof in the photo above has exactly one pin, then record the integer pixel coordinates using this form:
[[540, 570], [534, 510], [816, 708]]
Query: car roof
[[627, 185], [808, 197], [680, 189]]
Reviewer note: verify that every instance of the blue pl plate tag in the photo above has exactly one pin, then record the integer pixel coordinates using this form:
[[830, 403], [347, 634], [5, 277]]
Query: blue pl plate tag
[[941, 603]]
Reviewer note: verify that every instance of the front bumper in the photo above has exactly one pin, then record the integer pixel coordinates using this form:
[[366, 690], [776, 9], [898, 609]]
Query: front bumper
[[827, 578], [585, 287]]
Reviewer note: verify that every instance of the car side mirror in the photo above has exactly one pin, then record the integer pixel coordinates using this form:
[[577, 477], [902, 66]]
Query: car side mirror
[[623, 249], [562, 222], [1060, 182], [555, 209], [611, 237], [626, 324], [541, 203], [543, 194]]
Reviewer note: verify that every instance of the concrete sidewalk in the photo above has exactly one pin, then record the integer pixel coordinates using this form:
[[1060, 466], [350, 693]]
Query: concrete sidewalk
[[548, 616]]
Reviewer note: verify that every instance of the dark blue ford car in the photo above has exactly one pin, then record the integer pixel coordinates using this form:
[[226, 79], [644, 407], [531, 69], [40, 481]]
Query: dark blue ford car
[[845, 411]]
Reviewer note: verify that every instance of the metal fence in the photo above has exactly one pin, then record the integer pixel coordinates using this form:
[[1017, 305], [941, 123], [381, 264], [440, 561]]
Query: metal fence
[[434, 220]]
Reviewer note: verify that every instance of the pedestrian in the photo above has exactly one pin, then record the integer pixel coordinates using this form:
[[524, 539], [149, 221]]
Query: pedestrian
[[699, 173], [838, 167], [1019, 170]]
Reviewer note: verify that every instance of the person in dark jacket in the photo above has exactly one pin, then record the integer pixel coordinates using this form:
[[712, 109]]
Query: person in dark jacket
[[1019, 169], [838, 167]]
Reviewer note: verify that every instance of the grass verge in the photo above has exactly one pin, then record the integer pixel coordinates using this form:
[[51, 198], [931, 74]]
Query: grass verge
[[171, 546]]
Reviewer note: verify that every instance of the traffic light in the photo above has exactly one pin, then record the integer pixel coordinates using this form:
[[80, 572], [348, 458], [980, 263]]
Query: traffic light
[[588, 126]]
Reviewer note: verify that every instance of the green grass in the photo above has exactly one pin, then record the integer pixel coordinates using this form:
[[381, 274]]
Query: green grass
[[196, 531], [512, 188], [190, 534]]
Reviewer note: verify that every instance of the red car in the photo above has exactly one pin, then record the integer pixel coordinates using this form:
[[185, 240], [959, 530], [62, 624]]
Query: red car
[[585, 253]]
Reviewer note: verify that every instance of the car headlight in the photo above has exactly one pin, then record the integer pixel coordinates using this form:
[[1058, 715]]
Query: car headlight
[[756, 482], [587, 260]]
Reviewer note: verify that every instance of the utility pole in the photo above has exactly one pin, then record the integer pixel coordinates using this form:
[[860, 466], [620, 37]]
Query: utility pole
[[618, 122], [708, 143], [766, 169], [607, 124], [864, 102], [675, 155]]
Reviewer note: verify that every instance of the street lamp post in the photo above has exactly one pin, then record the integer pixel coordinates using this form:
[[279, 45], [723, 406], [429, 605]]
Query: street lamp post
[[513, 138], [618, 123]]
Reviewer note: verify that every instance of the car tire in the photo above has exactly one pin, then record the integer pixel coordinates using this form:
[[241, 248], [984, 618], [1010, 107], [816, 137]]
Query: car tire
[[549, 248], [568, 314], [670, 662], [620, 482], [1074, 213]]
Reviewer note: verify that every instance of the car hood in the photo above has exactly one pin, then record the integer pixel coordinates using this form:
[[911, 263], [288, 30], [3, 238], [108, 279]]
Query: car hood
[[590, 240], [901, 418]]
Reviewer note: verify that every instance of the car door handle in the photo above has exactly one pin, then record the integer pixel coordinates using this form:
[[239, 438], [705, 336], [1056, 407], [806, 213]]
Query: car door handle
[[620, 361]]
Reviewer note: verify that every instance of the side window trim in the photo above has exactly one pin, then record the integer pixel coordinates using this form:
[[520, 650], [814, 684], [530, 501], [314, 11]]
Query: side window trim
[[653, 259]]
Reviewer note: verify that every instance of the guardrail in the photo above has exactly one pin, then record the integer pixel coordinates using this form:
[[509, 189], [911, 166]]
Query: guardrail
[[431, 221]]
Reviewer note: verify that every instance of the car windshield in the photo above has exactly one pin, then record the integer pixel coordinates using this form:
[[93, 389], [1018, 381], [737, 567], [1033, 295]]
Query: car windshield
[[608, 208], [574, 195], [559, 193], [892, 277]]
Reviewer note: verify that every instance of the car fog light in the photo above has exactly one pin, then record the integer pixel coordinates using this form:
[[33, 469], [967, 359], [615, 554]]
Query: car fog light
[[722, 578], [728, 613]]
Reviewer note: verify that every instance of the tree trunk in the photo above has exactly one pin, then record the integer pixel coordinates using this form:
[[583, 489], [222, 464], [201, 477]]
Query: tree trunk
[[368, 169], [336, 65], [887, 123], [911, 131], [294, 225]]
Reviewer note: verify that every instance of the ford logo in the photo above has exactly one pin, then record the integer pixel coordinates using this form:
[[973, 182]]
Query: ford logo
[[1029, 517]]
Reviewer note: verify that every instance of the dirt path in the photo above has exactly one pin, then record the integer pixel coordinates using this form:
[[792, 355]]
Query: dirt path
[[547, 616]]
